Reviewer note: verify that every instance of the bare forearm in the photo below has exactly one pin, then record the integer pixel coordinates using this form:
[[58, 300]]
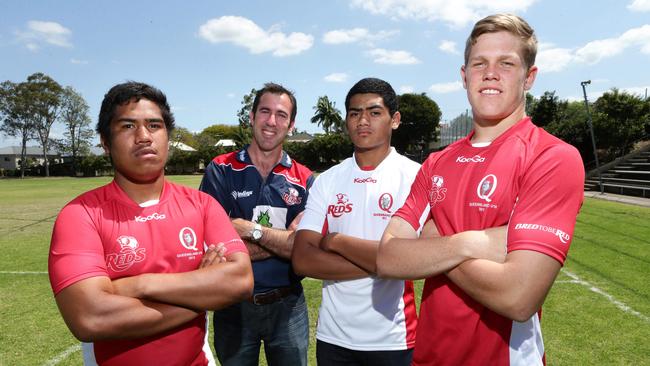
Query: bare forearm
[[208, 288], [257, 252], [417, 258], [278, 242], [361, 252], [93, 312], [309, 260], [515, 289]]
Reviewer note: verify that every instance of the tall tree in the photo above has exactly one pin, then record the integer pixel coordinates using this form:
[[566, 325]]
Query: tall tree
[[420, 121], [78, 133], [45, 96], [16, 117], [547, 109], [245, 134], [327, 115]]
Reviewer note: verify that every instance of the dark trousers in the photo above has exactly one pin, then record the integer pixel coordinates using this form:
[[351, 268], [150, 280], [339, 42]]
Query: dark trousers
[[331, 355]]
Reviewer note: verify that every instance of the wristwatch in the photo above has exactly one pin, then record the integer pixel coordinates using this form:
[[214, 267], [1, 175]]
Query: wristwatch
[[256, 233]]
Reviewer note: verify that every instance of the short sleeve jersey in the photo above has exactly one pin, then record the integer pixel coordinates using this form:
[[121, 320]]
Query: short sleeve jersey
[[272, 202], [367, 314], [105, 233], [526, 179]]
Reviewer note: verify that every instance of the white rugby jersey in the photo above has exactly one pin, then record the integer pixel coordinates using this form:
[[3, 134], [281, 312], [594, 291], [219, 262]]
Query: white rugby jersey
[[367, 314]]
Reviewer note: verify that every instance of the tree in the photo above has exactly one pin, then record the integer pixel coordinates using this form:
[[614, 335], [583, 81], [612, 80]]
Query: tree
[[571, 127], [182, 134], [15, 113], [620, 119], [546, 109], [244, 134], [45, 99], [78, 134], [327, 116], [420, 121], [221, 131]]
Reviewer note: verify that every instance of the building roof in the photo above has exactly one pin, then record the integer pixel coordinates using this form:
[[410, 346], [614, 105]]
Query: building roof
[[300, 137], [181, 146], [225, 142], [31, 150]]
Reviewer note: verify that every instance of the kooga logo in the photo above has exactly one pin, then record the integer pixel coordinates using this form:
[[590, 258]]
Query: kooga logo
[[473, 159], [153, 216]]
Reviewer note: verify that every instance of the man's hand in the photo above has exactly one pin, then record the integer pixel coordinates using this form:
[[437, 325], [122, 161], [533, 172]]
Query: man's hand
[[487, 244], [243, 227], [214, 254]]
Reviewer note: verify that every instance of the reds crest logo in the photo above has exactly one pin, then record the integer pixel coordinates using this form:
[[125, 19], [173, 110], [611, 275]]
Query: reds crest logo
[[486, 187], [129, 254], [437, 193], [292, 197], [341, 207]]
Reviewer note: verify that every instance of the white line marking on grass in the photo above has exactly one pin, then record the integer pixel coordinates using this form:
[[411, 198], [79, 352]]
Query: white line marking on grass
[[22, 272], [609, 297], [62, 356]]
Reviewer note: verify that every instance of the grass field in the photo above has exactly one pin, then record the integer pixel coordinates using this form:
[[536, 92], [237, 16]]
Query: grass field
[[598, 312]]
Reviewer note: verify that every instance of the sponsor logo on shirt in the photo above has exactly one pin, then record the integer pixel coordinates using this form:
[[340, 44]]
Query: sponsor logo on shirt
[[385, 203], [129, 254], [437, 192], [341, 207], [242, 194], [564, 237], [153, 216], [290, 178], [473, 159], [292, 197], [264, 219], [365, 180]]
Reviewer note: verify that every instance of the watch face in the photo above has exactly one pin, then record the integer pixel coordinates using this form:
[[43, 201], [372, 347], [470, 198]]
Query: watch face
[[257, 233]]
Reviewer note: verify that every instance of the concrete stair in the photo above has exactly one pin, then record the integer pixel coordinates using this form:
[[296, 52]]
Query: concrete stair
[[629, 175]]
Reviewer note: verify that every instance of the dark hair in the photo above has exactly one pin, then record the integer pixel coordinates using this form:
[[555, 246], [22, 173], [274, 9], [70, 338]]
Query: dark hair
[[274, 88], [374, 86], [124, 93]]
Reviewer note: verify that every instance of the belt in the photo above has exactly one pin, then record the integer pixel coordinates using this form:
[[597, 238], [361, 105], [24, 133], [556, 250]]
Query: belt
[[274, 295]]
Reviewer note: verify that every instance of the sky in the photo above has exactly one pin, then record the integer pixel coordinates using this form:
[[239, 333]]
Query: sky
[[206, 55]]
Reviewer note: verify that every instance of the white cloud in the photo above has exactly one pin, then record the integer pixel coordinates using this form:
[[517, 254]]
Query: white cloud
[[245, 33], [550, 58], [39, 32], [337, 77], [78, 62], [639, 5], [444, 88], [456, 13], [382, 56], [406, 89], [637, 90], [448, 47], [230, 95], [341, 36]]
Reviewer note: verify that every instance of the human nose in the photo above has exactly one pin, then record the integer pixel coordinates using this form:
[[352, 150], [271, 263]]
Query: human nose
[[142, 135], [491, 73]]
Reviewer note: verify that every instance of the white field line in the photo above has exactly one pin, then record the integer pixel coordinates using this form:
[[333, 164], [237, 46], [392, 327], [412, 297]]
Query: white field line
[[22, 272], [610, 298], [62, 356]]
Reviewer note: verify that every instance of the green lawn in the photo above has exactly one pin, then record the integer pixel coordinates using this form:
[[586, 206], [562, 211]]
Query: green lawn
[[598, 312]]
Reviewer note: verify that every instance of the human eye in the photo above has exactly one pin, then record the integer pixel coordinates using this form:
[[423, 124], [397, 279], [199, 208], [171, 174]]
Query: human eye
[[155, 125]]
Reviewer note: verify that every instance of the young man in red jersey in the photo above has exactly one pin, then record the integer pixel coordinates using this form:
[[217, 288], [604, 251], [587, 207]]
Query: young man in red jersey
[[127, 263], [477, 307]]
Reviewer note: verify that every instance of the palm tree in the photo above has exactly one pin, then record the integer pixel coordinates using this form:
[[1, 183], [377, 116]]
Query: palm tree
[[327, 115]]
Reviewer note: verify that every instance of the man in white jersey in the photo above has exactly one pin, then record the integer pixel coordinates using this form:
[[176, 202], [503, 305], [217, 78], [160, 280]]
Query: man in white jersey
[[506, 172], [363, 320]]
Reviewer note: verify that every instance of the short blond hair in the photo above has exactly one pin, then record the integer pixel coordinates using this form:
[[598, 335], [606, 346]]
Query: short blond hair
[[511, 23]]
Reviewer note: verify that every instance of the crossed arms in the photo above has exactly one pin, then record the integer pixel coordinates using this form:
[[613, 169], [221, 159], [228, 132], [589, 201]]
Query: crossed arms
[[513, 285], [97, 308]]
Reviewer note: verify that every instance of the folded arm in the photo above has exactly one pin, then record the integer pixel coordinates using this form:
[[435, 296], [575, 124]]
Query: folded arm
[[309, 259], [208, 288], [94, 312], [405, 256], [278, 242], [515, 289]]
